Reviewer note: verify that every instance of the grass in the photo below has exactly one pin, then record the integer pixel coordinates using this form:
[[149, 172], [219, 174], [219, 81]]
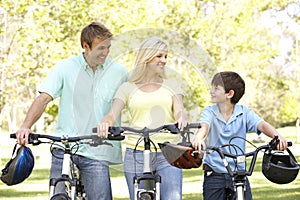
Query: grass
[[36, 186]]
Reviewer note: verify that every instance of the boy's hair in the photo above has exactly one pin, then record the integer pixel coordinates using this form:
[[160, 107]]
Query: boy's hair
[[230, 81], [92, 31]]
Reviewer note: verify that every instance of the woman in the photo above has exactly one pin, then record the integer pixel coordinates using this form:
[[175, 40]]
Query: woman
[[151, 101]]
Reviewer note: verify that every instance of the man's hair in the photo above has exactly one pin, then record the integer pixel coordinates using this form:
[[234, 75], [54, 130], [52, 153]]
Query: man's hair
[[92, 31], [230, 81], [148, 49]]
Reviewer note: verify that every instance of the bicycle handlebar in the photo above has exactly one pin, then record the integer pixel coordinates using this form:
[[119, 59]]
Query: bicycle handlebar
[[272, 145], [33, 138], [173, 128]]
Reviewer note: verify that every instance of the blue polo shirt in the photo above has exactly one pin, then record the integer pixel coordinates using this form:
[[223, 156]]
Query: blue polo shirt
[[85, 97], [243, 120]]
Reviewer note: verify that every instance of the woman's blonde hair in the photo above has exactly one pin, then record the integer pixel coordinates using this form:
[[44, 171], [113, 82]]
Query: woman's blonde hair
[[148, 49]]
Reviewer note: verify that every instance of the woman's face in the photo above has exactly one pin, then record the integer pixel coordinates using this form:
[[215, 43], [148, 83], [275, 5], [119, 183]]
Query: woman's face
[[157, 64]]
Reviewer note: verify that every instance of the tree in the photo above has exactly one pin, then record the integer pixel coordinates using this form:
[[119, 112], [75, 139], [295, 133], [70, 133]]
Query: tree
[[204, 37]]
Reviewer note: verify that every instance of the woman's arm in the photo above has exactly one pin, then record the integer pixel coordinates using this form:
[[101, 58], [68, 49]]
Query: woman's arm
[[110, 118], [179, 112]]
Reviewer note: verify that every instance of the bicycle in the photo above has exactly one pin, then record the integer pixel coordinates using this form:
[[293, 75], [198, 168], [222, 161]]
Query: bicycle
[[239, 176], [152, 191], [70, 174]]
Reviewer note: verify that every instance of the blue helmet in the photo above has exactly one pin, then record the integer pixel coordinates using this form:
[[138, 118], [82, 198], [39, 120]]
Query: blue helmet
[[19, 167]]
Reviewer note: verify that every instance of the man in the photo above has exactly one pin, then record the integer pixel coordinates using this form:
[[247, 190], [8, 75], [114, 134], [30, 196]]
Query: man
[[85, 85]]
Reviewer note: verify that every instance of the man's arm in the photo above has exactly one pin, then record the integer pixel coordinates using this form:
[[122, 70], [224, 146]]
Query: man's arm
[[110, 118], [34, 113]]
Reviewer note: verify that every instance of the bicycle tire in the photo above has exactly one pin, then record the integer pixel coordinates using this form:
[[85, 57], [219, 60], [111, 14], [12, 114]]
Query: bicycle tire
[[146, 196], [60, 196]]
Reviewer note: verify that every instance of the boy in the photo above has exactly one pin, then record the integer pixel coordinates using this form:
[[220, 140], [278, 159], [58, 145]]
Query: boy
[[219, 123]]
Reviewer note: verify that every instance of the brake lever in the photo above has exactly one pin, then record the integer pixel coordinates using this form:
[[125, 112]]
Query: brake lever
[[172, 128], [99, 141], [33, 139], [273, 143]]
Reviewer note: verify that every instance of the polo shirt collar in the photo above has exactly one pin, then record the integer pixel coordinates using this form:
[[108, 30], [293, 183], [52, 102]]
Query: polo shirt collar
[[237, 110], [86, 65]]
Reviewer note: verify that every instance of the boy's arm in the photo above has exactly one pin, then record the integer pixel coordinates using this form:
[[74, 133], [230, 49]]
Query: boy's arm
[[198, 142], [270, 131]]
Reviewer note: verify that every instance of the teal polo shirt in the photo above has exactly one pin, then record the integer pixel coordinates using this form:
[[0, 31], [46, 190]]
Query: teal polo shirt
[[85, 97]]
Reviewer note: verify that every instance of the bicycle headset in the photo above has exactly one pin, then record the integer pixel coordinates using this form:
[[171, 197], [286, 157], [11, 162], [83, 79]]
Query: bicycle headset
[[18, 168], [280, 168]]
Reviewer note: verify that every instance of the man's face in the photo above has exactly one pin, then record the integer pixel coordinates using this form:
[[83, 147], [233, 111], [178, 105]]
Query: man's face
[[97, 53]]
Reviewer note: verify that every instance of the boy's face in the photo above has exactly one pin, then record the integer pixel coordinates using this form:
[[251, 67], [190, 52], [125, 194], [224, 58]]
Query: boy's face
[[217, 94]]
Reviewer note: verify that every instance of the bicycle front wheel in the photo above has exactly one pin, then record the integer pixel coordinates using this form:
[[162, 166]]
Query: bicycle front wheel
[[60, 196]]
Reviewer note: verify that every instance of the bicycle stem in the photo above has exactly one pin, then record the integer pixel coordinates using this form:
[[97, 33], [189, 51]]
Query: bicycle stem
[[147, 154], [66, 161]]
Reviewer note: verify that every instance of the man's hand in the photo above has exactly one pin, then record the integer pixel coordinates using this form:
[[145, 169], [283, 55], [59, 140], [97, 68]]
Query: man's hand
[[102, 129], [22, 136]]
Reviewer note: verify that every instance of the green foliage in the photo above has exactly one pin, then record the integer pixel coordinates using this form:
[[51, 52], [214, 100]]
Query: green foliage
[[204, 36]]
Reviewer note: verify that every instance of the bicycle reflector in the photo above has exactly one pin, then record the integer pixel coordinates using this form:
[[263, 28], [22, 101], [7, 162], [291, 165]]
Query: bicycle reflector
[[19, 167], [181, 156], [280, 168]]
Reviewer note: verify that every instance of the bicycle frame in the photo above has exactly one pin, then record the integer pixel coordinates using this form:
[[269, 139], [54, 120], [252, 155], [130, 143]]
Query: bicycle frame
[[68, 172], [239, 176], [148, 174], [66, 175]]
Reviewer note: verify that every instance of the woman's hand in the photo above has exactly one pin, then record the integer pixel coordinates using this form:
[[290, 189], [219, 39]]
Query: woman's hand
[[182, 121]]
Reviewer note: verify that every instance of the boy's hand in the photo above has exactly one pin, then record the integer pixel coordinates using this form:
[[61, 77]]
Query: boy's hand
[[199, 145], [282, 145]]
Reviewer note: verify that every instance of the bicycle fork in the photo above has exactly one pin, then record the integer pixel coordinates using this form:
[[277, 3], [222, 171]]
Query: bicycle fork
[[150, 192], [65, 177], [240, 187]]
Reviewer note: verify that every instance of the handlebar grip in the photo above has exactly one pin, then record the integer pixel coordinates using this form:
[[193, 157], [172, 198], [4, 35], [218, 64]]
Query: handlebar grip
[[112, 129], [115, 133], [13, 135], [289, 143], [194, 125]]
